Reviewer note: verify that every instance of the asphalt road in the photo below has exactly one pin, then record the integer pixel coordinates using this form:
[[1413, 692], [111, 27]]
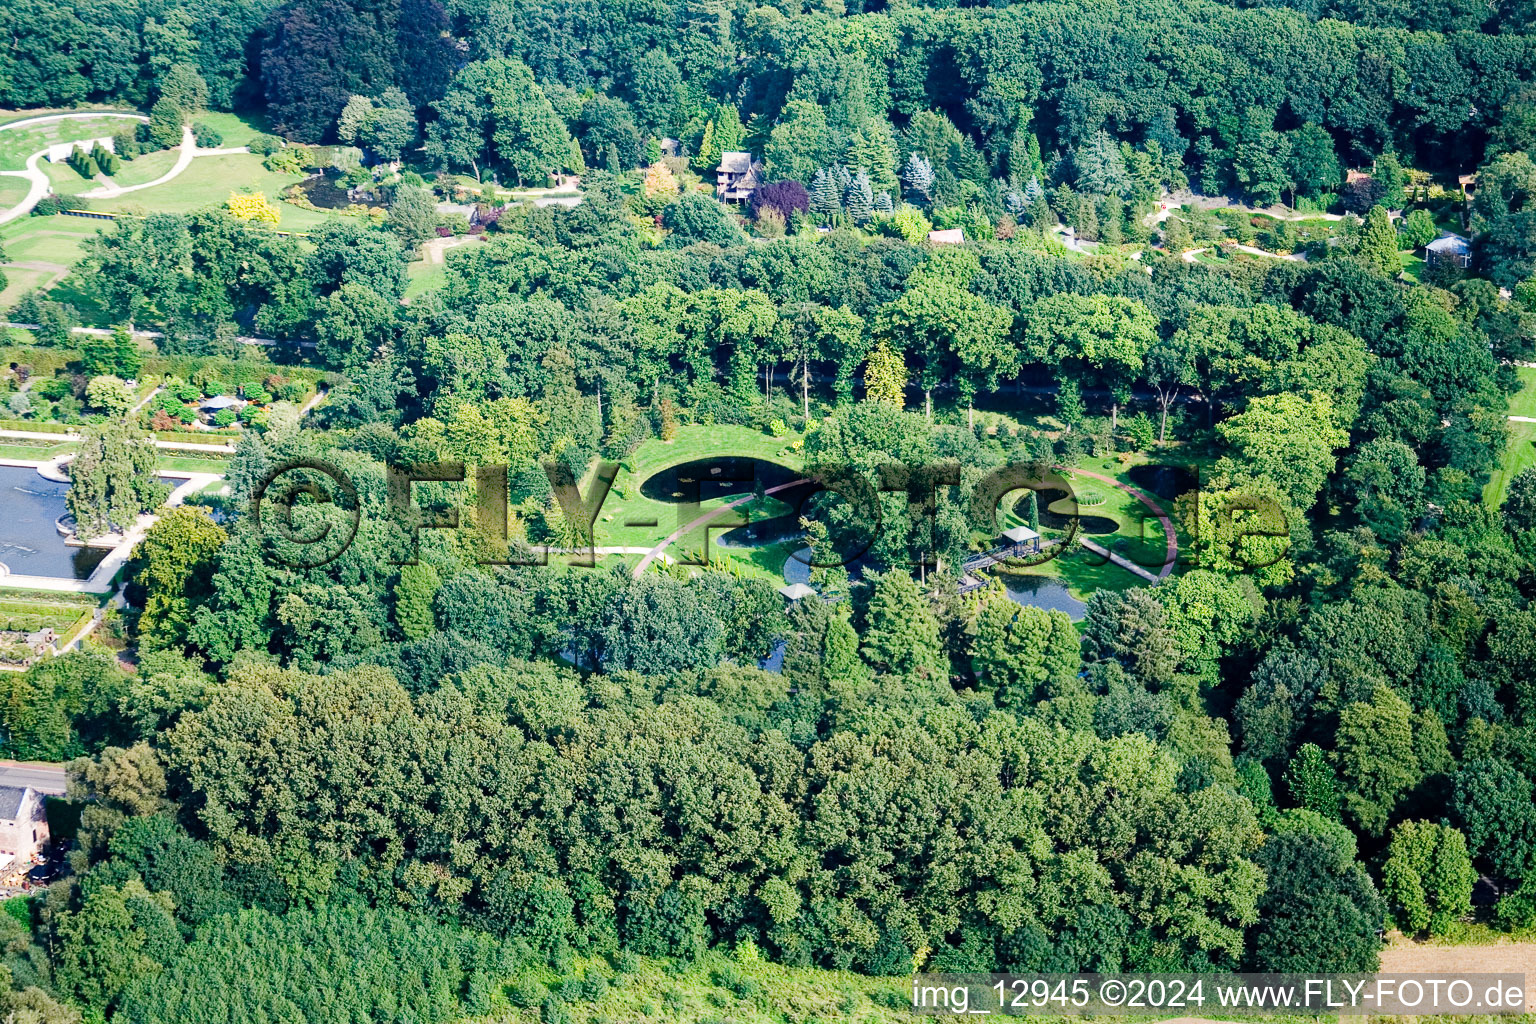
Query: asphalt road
[[42, 777]]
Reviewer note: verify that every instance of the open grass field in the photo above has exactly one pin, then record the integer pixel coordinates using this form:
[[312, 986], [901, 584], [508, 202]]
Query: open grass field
[[1520, 453], [146, 168], [694, 441], [20, 143], [12, 191], [208, 181], [421, 276]]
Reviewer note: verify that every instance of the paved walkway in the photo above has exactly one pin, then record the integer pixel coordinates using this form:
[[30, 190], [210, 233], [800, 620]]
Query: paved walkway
[[107, 189], [682, 531], [40, 185], [1120, 560], [1172, 557]]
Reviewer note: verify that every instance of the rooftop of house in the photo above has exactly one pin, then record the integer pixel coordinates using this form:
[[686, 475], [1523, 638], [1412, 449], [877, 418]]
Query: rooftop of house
[[221, 402], [735, 162], [1450, 243], [952, 236], [12, 799]]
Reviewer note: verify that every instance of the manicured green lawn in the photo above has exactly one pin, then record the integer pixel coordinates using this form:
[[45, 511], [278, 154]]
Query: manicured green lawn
[[1520, 453], [17, 145], [237, 129], [35, 450], [626, 504], [192, 465], [66, 182], [209, 182], [1413, 267], [146, 168], [424, 277], [12, 191]]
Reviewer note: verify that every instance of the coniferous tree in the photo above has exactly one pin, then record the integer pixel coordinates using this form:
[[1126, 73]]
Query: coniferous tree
[[858, 198], [1378, 243], [902, 635], [842, 178], [825, 196], [1100, 167], [918, 178]]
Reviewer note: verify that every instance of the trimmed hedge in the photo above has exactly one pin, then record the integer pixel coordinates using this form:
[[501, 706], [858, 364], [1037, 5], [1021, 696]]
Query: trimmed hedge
[[36, 426]]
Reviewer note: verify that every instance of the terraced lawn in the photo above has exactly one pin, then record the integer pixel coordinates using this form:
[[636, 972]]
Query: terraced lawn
[[58, 239], [18, 144], [46, 247], [19, 281]]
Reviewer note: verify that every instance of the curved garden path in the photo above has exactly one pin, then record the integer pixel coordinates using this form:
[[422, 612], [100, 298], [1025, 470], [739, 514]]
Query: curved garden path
[[1169, 561], [188, 151], [36, 178], [1172, 557], [682, 531], [40, 184]]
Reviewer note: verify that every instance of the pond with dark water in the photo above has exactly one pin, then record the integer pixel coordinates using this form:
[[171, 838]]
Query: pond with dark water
[[325, 193], [30, 544], [714, 478], [1166, 482], [1046, 592]]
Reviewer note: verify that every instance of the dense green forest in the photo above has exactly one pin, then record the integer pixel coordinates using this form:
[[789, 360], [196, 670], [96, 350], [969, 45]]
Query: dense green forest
[[422, 780]]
